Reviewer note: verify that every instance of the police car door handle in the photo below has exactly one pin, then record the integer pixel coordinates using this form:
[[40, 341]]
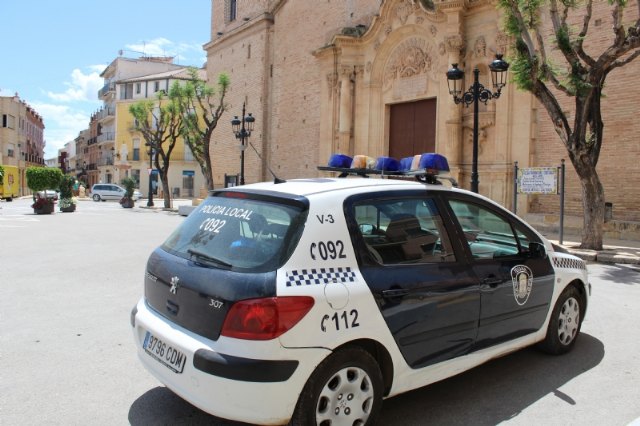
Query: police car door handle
[[492, 281], [396, 292]]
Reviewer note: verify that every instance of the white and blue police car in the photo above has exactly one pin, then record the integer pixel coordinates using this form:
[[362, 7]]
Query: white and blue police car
[[310, 301]]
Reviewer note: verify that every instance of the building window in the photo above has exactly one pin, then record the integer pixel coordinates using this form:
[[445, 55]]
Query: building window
[[10, 150], [156, 86], [138, 88], [233, 10], [136, 150], [188, 154], [8, 121]]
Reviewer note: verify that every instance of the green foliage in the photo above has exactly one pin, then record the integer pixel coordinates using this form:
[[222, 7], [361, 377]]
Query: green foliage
[[202, 106], [523, 67], [66, 186], [129, 184], [530, 10], [41, 178]]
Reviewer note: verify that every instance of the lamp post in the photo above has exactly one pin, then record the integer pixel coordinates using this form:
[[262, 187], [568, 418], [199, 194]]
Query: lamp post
[[477, 93], [150, 198], [242, 129]]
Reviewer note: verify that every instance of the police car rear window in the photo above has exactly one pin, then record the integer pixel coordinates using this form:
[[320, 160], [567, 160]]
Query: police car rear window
[[238, 233]]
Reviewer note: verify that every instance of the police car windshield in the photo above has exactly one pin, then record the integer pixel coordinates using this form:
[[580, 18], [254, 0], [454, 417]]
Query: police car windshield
[[241, 234]]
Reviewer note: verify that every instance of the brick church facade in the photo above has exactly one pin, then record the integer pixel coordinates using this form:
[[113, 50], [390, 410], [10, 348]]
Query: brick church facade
[[368, 77]]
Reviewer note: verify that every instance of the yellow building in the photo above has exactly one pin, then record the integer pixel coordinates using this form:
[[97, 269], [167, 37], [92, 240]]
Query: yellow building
[[132, 155], [21, 137]]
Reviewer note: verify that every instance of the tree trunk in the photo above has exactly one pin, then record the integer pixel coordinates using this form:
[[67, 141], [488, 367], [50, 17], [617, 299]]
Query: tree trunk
[[593, 207], [208, 176], [166, 190]]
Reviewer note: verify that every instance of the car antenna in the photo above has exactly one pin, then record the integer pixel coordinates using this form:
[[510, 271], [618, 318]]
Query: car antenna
[[276, 179]]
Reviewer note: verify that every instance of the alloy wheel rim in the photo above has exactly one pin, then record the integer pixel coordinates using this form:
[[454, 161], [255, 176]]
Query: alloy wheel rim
[[346, 398], [568, 321]]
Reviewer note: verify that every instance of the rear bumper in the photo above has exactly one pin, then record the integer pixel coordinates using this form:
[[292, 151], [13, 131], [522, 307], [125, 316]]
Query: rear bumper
[[244, 369], [223, 377]]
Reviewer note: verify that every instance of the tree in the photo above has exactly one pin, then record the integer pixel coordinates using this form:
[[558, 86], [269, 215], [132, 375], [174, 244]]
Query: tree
[[580, 75], [43, 178], [202, 106], [160, 122]]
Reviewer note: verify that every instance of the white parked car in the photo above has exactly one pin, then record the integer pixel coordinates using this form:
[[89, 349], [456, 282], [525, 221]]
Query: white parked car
[[312, 300], [110, 191], [106, 191]]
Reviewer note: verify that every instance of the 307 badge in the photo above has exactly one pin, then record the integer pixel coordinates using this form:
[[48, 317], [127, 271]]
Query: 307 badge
[[522, 283]]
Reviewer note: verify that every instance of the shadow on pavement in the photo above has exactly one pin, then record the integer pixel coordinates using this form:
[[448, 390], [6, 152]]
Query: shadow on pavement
[[496, 391], [618, 274], [487, 395]]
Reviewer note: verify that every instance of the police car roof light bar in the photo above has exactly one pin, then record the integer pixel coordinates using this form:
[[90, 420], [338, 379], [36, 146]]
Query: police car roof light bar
[[425, 168]]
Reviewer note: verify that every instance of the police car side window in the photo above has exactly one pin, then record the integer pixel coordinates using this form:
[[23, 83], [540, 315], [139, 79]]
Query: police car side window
[[408, 230], [488, 235]]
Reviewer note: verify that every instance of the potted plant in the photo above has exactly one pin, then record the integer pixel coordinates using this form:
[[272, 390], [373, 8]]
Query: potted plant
[[67, 200], [129, 185], [43, 181]]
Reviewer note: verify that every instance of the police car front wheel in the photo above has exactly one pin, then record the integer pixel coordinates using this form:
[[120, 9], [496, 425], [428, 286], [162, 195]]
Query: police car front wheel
[[565, 322], [345, 389]]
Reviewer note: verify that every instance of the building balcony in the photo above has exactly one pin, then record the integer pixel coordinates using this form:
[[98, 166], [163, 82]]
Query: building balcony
[[107, 161], [106, 137], [105, 113], [106, 89], [32, 158]]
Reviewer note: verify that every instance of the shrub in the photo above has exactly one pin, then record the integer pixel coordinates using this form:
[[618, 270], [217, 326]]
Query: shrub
[[129, 184], [41, 178]]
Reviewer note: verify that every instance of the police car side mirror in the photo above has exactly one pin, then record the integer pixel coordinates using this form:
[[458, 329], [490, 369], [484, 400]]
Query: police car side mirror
[[537, 250], [367, 229]]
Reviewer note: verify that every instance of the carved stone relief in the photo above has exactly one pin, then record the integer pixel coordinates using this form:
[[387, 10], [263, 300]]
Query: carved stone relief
[[403, 10], [454, 43], [502, 42], [480, 48], [413, 57]]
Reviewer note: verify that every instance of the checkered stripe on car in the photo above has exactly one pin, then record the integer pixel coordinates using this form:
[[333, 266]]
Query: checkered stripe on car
[[561, 262], [319, 276]]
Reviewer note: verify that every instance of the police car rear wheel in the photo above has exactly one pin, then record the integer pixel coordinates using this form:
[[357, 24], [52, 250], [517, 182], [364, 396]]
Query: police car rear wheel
[[345, 389], [96, 197], [565, 323]]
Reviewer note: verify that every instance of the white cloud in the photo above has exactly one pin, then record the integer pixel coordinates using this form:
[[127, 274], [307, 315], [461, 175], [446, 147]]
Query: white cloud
[[184, 53], [83, 87], [62, 125]]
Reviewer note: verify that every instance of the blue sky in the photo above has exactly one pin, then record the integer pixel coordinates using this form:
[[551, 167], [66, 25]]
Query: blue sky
[[54, 51]]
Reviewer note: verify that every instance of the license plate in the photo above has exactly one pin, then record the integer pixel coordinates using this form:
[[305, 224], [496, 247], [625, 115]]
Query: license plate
[[167, 355]]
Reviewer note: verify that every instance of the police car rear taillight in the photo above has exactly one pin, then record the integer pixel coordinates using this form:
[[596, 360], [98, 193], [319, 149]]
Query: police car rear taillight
[[265, 318]]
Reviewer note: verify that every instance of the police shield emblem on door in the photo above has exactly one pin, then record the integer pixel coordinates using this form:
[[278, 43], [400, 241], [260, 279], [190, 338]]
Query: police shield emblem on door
[[522, 283]]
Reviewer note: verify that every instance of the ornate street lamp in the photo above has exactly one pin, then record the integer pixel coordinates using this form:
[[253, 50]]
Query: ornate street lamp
[[242, 129], [477, 93]]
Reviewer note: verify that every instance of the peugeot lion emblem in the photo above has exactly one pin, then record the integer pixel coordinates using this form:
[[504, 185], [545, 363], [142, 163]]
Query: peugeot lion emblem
[[174, 285]]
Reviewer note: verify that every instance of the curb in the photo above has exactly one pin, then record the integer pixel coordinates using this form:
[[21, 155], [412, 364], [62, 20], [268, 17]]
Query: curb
[[606, 256]]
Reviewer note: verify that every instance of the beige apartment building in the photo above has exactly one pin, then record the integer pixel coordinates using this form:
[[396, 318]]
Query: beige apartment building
[[132, 156], [21, 137], [109, 150], [368, 77]]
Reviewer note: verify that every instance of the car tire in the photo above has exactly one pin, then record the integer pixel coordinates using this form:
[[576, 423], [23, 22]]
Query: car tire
[[565, 323], [96, 197], [346, 388]]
